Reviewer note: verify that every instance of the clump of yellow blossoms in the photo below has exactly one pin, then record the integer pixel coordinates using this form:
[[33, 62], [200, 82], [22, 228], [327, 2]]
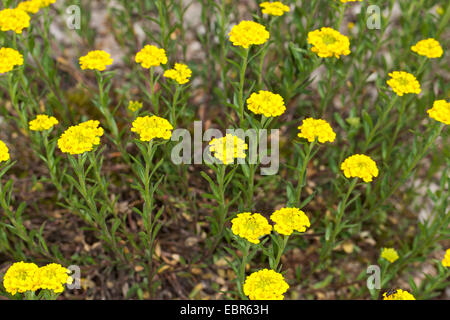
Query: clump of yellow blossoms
[[274, 8], [31, 6], [81, 138], [134, 105], [267, 103], [250, 226], [398, 294], [180, 73], [446, 261], [42, 122], [228, 148], [361, 166], [96, 60], [390, 254], [440, 111], [53, 277], [345, 1], [248, 33], [9, 58], [21, 277], [4, 152], [316, 128], [14, 20], [151, 56], [46, 3], [265, 285], [403, 82], [328, 42], [429, 48], [152, 127], [289, 219]]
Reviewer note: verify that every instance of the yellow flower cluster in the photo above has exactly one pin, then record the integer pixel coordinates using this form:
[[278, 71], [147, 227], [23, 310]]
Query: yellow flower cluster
[[96, 60], [31, 6], [42, 122], [345, 1], [328, 42], [53, 277], [14, 20], [22, 277], [228, 148], [134, 105], [152, 127], [180, 73], [81, 138], [248, 33], [250, 226], [446, 261], [429, 48], [361, 166], [440, 111], [289, 219], [265, 285], [274, 8], [398, 294], [4, 152], [9, 58], [390, 254], [403, 82], [46, 3], [151, 56], [267, 103], [316, 128]]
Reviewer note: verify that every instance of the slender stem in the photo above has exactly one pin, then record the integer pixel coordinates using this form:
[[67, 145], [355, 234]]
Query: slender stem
[[280, 252], [301, 176], [241, 84]]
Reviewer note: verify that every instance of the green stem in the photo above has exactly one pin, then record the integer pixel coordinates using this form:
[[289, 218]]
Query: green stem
[[241, 85], [301, 176]]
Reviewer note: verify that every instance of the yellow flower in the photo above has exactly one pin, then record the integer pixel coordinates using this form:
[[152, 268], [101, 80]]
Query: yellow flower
[[247, 33], [134, 105], [228, 148], [31, 6], [250, 226], [328, 42], [429, 48], [46, 3], [398, 294], [21, 277], [14, 20], [274, 8], [265, 285], [42, 122], [4, 152], [151, 56], [390, 254], [267, 103], [9, 58], [289, 219], [316, 128], [345, 1], [81, 138], [96, 60], [440, 111], [403, 82], [53, 277], [350, 25], [152, 127], [446, 261], [180, 73], [360, 166]]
